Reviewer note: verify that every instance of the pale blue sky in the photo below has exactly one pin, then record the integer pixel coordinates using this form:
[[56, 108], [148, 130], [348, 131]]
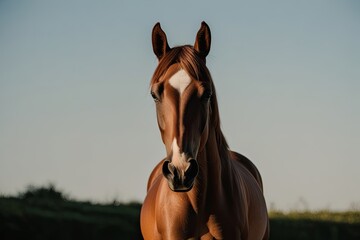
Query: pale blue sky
[[75, 108]]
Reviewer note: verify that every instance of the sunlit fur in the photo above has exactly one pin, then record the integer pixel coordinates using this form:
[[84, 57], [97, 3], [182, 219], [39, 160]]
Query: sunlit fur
[[226, 200]]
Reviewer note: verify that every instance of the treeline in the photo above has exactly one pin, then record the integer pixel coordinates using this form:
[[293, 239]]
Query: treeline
[[46, 213]]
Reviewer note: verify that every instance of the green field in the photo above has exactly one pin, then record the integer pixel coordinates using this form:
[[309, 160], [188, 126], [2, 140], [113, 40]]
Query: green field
[[45, 213]]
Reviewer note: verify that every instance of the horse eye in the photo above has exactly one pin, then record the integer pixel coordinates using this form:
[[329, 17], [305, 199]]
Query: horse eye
[[154, 96], [206, 95]]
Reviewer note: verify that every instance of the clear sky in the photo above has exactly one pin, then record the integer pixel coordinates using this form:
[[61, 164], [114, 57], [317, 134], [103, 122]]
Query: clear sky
[[75, 108]]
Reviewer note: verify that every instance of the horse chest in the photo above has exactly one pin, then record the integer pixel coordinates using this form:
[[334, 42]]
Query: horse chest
[[190, 226]]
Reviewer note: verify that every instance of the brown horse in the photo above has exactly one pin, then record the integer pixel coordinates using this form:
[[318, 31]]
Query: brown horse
[[201, 190]]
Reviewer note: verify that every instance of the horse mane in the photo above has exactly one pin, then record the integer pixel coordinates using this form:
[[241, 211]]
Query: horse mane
[[195, 66]]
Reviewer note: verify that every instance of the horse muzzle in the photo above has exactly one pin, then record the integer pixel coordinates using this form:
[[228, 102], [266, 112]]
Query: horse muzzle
[[180, 180]]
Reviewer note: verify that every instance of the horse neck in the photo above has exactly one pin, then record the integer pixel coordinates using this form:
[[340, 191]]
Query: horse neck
[[214, 167]]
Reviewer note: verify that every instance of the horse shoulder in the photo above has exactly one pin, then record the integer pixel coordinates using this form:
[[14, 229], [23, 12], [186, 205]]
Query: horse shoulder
[[148, 217], [252, 189], [154, 174], [249, 165]]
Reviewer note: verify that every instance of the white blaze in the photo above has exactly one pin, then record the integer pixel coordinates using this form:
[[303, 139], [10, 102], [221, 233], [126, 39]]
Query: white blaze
[[180, 81], [178, 159]]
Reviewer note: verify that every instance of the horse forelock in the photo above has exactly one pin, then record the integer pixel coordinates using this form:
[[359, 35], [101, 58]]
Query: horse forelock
[[188, 59]]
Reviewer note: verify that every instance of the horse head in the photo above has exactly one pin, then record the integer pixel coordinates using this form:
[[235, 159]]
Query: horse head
[[182, 90]]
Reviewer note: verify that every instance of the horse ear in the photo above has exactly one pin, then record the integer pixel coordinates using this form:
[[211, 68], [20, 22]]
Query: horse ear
[[203, 40], [159, 41]]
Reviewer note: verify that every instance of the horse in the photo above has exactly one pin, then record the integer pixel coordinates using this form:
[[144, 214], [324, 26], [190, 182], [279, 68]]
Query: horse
[[201, 189]]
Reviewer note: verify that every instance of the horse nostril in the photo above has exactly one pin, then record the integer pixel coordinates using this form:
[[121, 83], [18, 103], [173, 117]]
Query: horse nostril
[[192, 170], [168, 169]]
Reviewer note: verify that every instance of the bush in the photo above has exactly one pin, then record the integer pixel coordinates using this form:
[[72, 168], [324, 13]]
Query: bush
[[48, 192]]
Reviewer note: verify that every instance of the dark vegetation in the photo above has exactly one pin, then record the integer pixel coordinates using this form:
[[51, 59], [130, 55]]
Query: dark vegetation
[[46, 213], [315, 225]]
